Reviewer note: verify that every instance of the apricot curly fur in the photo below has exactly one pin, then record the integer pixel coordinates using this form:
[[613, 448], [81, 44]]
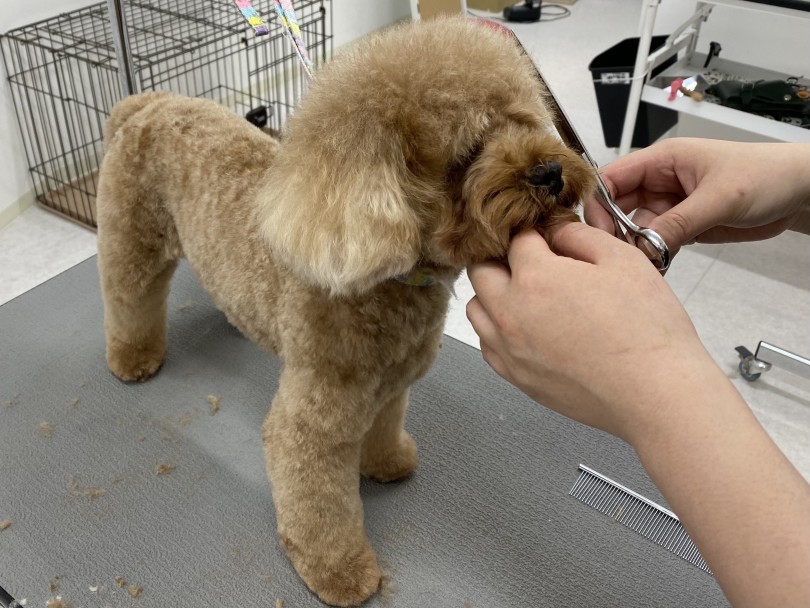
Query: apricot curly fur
[[413, 149]]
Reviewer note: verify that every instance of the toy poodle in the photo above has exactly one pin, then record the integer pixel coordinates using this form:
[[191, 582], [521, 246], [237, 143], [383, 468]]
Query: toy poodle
[[416, 152]]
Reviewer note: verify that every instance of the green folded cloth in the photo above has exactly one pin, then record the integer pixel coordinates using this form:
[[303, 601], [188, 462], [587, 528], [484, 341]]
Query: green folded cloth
[[777, 98]]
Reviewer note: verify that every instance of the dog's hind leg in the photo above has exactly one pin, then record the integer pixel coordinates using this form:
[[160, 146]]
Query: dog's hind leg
[[312, 439], [389, 452], [135, 268]]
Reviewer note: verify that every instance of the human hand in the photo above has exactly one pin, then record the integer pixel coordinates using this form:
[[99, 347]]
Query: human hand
[[709, 191], [597, 336]]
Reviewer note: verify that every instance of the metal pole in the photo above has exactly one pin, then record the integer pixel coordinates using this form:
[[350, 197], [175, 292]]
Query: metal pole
[[752, 366], [645, 37], [779, 357], [118, 24]]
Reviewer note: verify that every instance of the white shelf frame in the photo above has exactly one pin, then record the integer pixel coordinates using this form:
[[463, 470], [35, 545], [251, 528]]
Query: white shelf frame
[[685, 38]]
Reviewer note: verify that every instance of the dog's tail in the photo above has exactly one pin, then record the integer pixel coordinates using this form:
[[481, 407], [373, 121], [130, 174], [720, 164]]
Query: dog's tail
[[125, 109]]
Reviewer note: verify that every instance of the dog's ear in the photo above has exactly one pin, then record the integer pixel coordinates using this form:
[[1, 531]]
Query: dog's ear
[[341, 222]]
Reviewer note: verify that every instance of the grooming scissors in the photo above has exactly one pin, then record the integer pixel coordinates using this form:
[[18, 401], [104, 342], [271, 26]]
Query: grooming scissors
[[649, 241]]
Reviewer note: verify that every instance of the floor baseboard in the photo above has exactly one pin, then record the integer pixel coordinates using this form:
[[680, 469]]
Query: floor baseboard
[[17, 208]]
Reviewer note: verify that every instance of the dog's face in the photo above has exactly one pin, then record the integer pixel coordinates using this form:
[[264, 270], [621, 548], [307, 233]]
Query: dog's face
[[520, 176], [429, 145]]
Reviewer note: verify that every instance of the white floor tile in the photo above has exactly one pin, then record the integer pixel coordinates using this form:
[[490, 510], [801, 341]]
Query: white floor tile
[[761, 291], [688, 268], [37, 246], [457, 325]]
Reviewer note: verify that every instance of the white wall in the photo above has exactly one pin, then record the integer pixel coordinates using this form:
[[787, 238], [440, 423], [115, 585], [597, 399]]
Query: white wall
[[350, 19], [354, 18], [16, 13]]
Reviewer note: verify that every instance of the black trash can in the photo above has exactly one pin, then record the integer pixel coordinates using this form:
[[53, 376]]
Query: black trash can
[[612, 71]]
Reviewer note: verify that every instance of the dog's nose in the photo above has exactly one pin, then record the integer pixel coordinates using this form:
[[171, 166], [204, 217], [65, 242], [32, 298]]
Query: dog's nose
[[548, 175]]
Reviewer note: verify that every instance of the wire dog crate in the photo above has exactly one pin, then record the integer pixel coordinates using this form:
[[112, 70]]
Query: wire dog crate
[[64, 78]]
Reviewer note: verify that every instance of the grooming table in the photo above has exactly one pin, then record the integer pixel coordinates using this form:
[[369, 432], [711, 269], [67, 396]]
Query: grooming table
[[485, 522]]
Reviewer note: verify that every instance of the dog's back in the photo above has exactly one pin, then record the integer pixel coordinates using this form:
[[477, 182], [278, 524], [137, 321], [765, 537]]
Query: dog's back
[[125, 109]]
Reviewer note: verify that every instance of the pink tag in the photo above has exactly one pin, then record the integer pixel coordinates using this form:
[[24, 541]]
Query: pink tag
[[673, 88]]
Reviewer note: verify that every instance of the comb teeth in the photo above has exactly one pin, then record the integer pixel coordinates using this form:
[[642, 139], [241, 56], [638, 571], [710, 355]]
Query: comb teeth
[[636, 512]]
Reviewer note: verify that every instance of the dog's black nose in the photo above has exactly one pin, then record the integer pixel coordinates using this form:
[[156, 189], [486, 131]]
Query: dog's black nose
[[548, 175]]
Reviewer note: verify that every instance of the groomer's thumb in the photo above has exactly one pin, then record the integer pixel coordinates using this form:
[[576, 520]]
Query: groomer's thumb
[[687, 220]]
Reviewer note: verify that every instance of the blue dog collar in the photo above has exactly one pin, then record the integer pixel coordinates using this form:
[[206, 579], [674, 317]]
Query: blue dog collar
[[418, 277]]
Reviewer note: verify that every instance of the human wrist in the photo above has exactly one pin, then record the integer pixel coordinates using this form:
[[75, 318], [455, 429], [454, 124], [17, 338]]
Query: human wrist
[[800, 155], [681, 390], [801, 222]]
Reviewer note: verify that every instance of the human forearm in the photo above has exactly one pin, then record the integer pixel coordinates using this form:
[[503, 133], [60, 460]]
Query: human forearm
[[593, 332], [742, 502]]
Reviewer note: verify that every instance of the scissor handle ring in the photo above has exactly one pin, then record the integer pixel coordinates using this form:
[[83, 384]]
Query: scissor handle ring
[[654, 247]]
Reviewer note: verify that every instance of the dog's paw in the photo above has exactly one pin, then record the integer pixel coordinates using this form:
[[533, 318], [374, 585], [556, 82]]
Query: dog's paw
[[390, 462], [134, 364], [338, 577]]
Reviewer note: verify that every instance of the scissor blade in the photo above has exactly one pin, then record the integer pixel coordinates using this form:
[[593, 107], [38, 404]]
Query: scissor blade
[[563, 124], [648, 240], [572, 139]]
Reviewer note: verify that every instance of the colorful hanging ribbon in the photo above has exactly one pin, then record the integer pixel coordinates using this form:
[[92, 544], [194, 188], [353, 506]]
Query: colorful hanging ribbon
[[286, 13], [249, 13]]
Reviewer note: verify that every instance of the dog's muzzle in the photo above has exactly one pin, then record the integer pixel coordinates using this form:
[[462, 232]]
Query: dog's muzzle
[[549, 176]]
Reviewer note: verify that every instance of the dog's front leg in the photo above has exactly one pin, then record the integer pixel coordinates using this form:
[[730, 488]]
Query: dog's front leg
[[389, 451], [312, 440]]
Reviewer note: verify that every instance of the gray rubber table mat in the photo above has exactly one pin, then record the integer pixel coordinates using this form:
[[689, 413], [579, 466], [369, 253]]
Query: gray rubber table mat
[[486, 521]]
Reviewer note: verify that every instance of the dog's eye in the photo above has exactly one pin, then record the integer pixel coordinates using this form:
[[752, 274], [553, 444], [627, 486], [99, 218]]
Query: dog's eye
[[548, 175]]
